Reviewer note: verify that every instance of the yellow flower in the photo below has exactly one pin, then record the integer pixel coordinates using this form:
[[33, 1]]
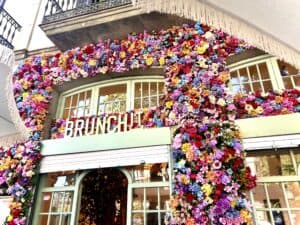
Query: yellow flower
[[202, 49], [9, 218], [207, 189], [122, 54], [259, 110], [221, 102], [169, 104], [162, 61], [149, 61], [92, 62], [186, 147], [38, 97], [184, 179], [246, 216], [248, 108], [233, 203], [24, 95]]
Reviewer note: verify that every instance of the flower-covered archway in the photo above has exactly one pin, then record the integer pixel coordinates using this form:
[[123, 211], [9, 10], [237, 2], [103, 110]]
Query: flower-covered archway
[[210, 176]]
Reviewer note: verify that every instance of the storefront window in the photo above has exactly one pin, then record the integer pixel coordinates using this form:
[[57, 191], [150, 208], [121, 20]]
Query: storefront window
[[150, 194], [275, 198], [57, 199]]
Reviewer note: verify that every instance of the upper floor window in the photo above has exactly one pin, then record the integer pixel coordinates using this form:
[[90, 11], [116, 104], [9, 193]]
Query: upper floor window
[[115, 97], [262, 73], [290, 75]]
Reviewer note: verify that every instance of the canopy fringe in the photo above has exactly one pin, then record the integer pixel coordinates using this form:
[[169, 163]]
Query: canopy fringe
[[198, 10]]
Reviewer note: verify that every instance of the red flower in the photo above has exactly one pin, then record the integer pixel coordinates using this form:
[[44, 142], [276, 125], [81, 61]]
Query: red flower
[[189, 197]]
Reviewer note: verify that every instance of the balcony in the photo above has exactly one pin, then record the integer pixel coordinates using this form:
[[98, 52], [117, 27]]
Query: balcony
[[8, 28], [71, 23]]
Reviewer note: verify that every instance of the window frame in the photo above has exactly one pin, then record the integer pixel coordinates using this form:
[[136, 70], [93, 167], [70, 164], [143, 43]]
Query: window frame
[[94, 87]]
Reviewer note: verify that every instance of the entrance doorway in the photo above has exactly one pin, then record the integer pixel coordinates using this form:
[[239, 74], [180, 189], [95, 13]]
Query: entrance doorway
[[103, 198]]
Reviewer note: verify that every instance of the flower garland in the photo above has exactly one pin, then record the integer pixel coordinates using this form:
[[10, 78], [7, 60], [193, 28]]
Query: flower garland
[[210, 175], [18, 165]]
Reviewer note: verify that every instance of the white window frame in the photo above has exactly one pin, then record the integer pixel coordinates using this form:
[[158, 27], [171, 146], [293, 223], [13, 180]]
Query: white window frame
[[94, 87], [272, 66], [274, 142]]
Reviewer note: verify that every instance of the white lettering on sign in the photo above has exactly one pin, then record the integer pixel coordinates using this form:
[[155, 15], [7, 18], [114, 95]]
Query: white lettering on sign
[[101, 125]]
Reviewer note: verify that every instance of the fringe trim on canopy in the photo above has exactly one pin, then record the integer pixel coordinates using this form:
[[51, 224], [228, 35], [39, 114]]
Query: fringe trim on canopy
[[198, 10], [7, 58]]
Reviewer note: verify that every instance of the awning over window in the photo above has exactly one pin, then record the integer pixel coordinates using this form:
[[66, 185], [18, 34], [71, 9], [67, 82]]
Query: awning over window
[[105, 158]]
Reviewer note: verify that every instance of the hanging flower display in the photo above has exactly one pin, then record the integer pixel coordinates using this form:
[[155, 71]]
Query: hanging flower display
[[210, 175]]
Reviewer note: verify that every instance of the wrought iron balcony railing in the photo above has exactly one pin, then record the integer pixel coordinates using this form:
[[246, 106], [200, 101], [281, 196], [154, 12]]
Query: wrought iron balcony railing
[[57, 10], [8, 28]]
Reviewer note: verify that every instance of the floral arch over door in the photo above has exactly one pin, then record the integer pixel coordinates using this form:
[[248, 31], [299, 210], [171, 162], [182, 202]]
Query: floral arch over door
[[210, 176]]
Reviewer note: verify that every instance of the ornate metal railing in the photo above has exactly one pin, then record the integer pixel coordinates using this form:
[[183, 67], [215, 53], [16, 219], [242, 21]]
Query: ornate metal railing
[[56, 10], [8, 28]]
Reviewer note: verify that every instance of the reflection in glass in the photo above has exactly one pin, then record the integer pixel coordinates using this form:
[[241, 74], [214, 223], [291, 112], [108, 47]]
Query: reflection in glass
[[295, 217], [138, 199], [264, 73], [43, 220], [152, 218], [112, 99], [137, 219], [46, 200], [54, 220], [151, 198], [164, 198], [57, 201], [292, 190]]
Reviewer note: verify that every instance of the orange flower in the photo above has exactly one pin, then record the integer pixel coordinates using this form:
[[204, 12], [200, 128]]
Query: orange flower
[[278, 99], [210, 175]]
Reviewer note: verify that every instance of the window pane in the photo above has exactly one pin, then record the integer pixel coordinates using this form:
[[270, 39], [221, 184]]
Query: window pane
[[264, 73], [88, 98], [263, 217], [234, 78], [57, 201], [154, 101], [137, 103], [271, 163], [74, 100], [276, 196], [257, 86], [68, 202], [286, 69], [137, 90], [153, 88], [66, 113], [145, 102], [243, 75], [138, 199], [81, 102], [145, 89], [246, 88], [259, 195], [67, 102], [164, 198], [152, 198], [137, 219], [287, 82], [295, 217], [280, 217], [66, 220], [253, 73], [54, 220], [267, 85], [297, 80], [161, 87], [236, 89], [43, 220], [60, 179], [46, 200], [293, 194], [112, 98], [152, 218]]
